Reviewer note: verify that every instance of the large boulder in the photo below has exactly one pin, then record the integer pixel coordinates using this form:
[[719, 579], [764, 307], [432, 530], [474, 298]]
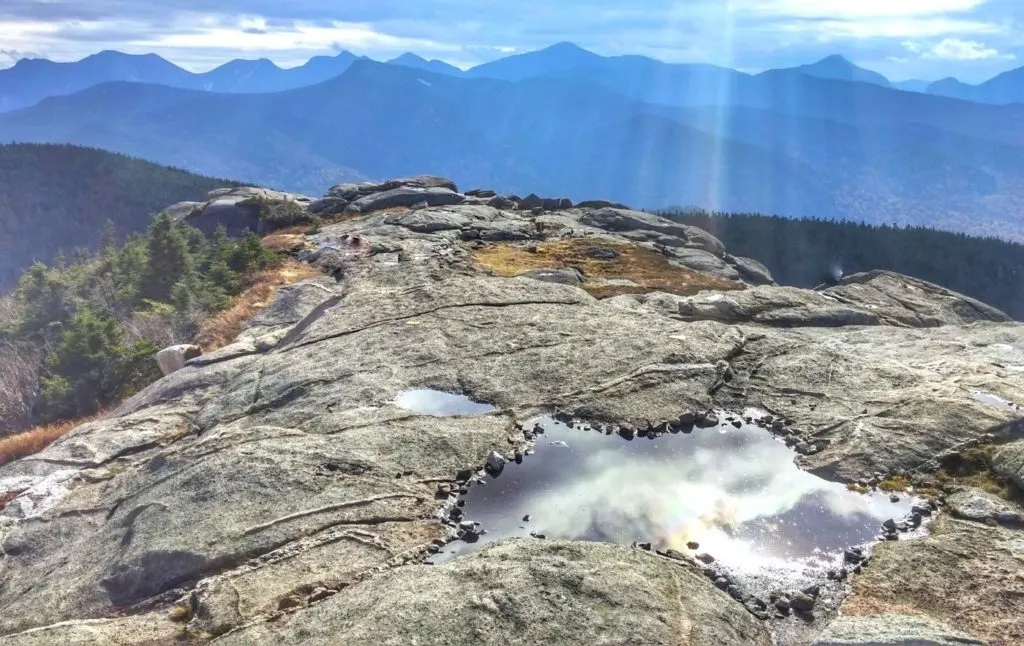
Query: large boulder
[[354, 191], [173, 358], [524, 592], [701, 260], [1009, 463], [239, 209], [405, 196], [620, 220], [910, 300], [750, 270], [983, 507]]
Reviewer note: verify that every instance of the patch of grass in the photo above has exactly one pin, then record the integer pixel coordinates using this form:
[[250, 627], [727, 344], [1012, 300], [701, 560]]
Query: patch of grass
[[286, 243], [973, 468], [221, 329], [179, 613], [895, 483], [648, 269], [859, 488], [34, 440]]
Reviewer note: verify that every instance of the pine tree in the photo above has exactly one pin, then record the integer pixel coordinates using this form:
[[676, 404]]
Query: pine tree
[[169, 260]]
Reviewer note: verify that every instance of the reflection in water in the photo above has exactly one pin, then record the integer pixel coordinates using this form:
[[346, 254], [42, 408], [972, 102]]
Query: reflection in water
[[735, 491], [994, 400], [440, 404]]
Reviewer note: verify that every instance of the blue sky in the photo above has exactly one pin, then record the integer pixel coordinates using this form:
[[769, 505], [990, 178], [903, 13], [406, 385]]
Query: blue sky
[[927, 39]]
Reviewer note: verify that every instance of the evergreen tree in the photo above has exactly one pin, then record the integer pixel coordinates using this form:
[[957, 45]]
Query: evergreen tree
[[169, 260]]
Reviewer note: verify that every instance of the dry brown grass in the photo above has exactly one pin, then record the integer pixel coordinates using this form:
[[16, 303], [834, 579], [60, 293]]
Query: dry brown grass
[[649, 270], [32, 441], [221, 329], [286, 243]]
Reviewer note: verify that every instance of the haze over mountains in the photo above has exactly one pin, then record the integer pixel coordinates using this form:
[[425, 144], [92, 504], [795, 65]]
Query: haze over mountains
[[829, 140]]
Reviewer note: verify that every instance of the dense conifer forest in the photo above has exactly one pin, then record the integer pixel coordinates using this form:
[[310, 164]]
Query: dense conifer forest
[[57, 198]]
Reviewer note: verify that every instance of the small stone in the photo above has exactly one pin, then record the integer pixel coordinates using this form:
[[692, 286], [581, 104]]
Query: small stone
[[722, 583], [293, 601], [889, 525], [812, 590], [734, 592], [687, 419], [894, 498], [693, 545], [857, 569], [902, 527], [915, 519], [456, 513], [644, 546], [850, 556], [538, 535], [468, 525], [675, 554], [737, 424], [538, 430], [802, 602], [924, 510], [783, 605], [526, 518], [706, 558]]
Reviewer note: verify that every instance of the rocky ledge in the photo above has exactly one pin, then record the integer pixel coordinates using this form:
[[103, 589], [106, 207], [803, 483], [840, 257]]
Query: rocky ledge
[[272, 491]]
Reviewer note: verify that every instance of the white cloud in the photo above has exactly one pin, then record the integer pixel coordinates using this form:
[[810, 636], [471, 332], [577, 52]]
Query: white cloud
[[861, 9], [954, 49]]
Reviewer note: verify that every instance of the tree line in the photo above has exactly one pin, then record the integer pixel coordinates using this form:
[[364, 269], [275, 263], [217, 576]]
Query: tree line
[[808, 252]]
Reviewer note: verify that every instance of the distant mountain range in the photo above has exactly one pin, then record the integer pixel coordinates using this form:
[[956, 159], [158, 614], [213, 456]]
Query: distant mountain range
[[565, 121], [31, 80]]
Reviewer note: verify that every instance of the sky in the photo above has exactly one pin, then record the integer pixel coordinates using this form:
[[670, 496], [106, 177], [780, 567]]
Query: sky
[[924, 39]]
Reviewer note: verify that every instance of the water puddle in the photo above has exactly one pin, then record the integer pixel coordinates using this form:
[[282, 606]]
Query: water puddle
[[427, 401], [994, 400], [731, 492]]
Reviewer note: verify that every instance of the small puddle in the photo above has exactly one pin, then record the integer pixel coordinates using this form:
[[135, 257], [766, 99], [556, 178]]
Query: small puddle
[[428, 401], [994, 400], [731, 492]]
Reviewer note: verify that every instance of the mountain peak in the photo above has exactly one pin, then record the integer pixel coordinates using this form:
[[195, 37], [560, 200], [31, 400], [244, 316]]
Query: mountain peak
[[407, 58]]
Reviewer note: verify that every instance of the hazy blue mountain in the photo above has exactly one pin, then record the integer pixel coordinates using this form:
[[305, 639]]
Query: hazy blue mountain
[[31, 80], [418, 62], [911, 85], [839, 68], [240, 76], [1007, 87], [777, 142]]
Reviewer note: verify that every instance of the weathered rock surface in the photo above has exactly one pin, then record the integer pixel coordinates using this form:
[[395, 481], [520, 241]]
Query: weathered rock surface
[[926, 304], [892, 630], [1009, 462], [405, 196], [964, 574], [235, 209], [277, 473], [982, 507], [524, 592], [354, 191]]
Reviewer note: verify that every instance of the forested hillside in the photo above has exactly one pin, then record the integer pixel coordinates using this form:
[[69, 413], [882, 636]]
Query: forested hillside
[[807, 252], [59, 198]]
